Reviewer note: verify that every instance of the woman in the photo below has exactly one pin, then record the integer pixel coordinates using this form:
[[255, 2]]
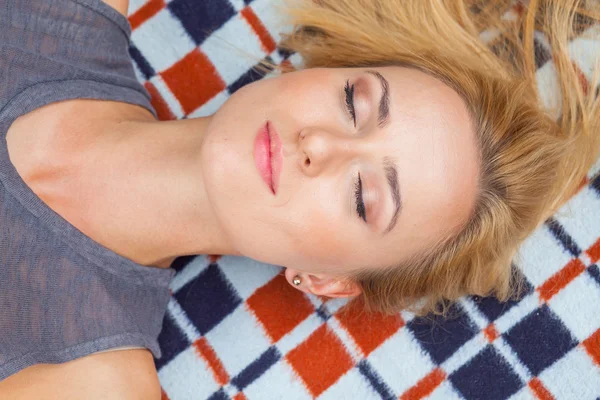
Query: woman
[[417, 143]]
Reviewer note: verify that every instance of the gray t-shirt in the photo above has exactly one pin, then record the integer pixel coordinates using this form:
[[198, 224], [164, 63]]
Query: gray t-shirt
[[63, 295]]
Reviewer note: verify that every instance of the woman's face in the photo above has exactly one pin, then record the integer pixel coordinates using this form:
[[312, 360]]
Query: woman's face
[[404, 133]]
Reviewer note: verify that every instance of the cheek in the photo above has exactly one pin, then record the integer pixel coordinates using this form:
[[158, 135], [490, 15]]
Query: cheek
[[322, 240], [308, 98]]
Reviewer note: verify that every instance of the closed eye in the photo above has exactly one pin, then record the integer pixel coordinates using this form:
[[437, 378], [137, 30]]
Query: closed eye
[[349, 89], [358, 195]]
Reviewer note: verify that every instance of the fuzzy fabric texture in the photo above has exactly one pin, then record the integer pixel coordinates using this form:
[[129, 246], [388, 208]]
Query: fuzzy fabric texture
[[235, 329]]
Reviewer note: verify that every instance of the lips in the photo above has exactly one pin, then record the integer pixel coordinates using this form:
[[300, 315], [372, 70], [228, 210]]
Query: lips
[[268, 155]]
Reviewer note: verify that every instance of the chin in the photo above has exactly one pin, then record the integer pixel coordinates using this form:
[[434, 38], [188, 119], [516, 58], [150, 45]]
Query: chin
[[230, 183], [234, 188]]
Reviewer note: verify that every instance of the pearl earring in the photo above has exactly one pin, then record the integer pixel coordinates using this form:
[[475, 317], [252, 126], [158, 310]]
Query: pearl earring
[[297, 281]]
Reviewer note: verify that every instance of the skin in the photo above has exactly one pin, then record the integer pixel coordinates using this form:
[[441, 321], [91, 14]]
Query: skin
[[174, 188], [311, 225], [203, 194], [118, 375]]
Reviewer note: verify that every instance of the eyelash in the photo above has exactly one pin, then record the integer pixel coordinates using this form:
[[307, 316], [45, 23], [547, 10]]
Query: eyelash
[[358, 194], [350, 101]]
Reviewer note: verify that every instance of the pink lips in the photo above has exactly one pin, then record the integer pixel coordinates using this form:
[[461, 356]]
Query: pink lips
[[268, 155]]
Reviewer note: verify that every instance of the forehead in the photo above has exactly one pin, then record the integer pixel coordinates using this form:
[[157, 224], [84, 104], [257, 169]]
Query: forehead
[[431, 137]]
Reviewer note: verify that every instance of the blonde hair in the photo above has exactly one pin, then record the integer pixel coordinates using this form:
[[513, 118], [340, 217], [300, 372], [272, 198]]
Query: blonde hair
[[531, 163]]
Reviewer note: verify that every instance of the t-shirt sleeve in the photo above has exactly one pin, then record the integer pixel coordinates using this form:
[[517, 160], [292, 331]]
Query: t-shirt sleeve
[[63, 295], [83, 43]]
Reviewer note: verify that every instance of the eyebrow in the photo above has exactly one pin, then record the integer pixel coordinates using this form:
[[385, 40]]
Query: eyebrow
[[384, 101], [391, 174]]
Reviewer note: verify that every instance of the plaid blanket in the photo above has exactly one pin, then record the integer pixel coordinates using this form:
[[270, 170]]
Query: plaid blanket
[[234, 329]]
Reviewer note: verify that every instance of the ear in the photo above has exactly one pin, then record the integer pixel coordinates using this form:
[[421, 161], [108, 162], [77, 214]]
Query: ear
[[322, 285]]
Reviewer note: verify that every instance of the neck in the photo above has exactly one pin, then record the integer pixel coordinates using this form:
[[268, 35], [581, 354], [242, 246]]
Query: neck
[[151, 170]]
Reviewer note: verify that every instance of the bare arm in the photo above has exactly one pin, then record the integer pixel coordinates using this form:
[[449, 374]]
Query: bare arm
[[114, 375], [123, 374], [119, 5]]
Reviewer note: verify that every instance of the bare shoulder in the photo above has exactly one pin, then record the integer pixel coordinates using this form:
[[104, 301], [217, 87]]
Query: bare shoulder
[[119, 5], [45, 136], [123, 374]]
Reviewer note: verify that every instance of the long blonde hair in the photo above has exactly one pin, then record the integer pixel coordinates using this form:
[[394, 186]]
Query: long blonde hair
[[531, 161]]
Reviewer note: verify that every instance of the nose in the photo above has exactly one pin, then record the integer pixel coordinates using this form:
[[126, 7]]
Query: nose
[[321, 149]]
